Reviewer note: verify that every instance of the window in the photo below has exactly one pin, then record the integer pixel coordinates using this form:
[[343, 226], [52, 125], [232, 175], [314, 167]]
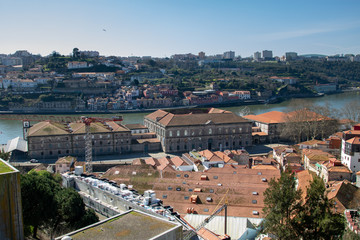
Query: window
[[178, 175], [254, 202], [190, 190], [170, 188], [211, 190], [186, 132], [178, 133], [186, 197], [206, 210], [59, 152], [186, 175], [210, 131], [170, 133], [215, 177], [164, 196]]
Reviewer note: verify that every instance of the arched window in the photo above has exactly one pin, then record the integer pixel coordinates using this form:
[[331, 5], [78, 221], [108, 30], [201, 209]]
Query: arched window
[[210, 131]]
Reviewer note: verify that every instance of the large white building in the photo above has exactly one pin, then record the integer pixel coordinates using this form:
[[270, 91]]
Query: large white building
[[229, 55], [350, 149], [257, 56]]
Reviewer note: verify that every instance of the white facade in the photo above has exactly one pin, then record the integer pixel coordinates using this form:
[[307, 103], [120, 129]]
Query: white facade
[[6, 83], [229, 55], [21, 84], [257, 56], [76, 65], [352, 160], [41, 80], [243, 94], [11, 61]]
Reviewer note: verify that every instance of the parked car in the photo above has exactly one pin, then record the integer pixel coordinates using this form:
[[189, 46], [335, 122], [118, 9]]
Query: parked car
[[34, 161]]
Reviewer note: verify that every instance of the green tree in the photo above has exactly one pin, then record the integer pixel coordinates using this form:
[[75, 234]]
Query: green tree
[[4, 156], [287, 217], [48, 206], [38, 202], [71, 212], [76, 53], [282, 202], [317, 217]]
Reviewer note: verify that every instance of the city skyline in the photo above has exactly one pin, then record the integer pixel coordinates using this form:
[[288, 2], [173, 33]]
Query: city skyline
[[163, 28]]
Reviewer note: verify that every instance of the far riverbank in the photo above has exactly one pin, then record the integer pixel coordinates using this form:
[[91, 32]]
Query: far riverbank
[[10, 129]]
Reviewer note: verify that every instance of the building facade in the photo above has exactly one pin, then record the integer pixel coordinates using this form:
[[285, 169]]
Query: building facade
[[53, 140], [187, 129], [350, 150], [267, 54]]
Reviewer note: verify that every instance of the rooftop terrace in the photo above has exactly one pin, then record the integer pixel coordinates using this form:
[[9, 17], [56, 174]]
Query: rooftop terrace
[[129, 225]]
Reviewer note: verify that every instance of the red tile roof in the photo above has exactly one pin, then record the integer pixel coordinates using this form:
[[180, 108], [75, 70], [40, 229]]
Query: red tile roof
[[215, 116], [280, 117], [354, 140]]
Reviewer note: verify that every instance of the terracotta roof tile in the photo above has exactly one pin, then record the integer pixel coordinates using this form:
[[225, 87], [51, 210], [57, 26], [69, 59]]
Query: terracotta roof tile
[[215, 117], [354, 140]]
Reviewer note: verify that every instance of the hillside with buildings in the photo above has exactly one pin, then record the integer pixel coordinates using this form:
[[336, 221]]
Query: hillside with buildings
[[87, 81]]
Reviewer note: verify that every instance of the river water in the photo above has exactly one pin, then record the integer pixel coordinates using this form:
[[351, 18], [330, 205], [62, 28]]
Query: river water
[[10, 129]]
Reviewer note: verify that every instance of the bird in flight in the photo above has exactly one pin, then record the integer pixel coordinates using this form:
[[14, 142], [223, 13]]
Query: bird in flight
[[104, 30]]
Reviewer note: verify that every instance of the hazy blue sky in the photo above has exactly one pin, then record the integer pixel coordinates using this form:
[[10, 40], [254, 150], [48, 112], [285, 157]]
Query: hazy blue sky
[[165, 27]]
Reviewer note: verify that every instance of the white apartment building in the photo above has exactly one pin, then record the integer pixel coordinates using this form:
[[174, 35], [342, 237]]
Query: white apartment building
[[350, 149]]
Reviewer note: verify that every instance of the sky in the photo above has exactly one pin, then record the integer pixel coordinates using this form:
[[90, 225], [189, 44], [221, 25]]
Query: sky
[[161, 28]]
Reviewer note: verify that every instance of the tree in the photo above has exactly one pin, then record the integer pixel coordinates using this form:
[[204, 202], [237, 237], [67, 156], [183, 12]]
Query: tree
[[282, 202], [48, 206], [76, 53], [351, 111], [287, 217], [307, 121], [37, 193], [317, 218], [4, 155]]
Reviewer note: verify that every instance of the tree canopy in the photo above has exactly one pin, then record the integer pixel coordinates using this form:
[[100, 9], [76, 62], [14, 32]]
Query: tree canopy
[[288, 217], [48, 206]]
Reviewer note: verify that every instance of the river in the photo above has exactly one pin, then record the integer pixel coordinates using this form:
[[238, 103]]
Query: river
[[10, 129]]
